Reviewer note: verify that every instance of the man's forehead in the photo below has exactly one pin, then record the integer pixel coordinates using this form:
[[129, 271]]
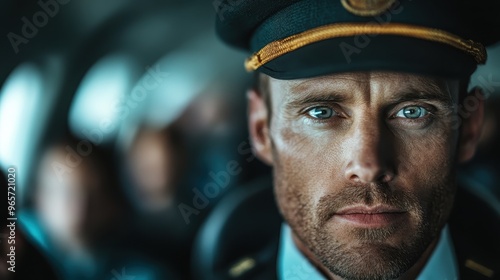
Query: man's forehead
[[394, 82]]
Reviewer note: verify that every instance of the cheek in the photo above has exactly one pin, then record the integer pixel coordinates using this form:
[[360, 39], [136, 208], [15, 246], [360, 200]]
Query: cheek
[[305, 167], [425, 167], [428, 159]]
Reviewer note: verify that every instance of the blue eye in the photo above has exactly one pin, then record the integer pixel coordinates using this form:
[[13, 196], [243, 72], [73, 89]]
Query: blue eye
[[321, 112], [412, 112]]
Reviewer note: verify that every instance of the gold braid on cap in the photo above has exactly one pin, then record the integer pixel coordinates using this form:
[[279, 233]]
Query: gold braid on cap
[[280, 47]]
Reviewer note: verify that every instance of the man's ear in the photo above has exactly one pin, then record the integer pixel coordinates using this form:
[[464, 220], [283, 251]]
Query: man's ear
[[471, 127], [259, 126]]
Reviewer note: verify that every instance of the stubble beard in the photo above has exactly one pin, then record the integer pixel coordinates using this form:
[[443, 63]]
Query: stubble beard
[[369, 256]]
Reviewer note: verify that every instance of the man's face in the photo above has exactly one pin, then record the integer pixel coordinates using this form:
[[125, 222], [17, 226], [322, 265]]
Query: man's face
[[364, 167]]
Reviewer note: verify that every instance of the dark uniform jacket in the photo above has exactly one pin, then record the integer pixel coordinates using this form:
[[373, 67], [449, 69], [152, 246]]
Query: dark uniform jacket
[[240, 239]]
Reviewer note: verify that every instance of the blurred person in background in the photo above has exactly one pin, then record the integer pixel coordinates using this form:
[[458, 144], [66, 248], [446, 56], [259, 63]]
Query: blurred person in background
[[157, 159], [78, 206], [155, 164], [81, 208]]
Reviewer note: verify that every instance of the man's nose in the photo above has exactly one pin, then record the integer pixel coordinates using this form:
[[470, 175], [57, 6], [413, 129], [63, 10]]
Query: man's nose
[[369, 152]]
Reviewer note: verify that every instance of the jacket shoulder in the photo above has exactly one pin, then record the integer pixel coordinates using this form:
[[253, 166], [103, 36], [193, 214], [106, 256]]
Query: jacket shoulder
[[475, 230]]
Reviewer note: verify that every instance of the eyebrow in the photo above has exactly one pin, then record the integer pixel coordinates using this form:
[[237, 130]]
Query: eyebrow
[[316, 97], [431, 92], [423, 91]]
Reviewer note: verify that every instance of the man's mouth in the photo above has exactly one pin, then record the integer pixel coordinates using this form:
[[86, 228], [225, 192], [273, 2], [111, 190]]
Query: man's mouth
[[370, 216]]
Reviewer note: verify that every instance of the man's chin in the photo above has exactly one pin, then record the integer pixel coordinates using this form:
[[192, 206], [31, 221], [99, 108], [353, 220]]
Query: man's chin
[[370, 253], [371, 260]]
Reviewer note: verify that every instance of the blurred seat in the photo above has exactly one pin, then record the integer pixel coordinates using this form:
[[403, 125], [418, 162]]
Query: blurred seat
[[232, 242]]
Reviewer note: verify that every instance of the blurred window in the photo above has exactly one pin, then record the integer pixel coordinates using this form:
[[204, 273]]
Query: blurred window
[[20, 98], [96, 111]]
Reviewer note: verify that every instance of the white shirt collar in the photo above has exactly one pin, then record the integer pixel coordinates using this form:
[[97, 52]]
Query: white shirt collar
[[292, 265]]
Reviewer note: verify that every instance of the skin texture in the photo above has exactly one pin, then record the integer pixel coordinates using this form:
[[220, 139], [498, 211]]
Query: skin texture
[[363, 151]]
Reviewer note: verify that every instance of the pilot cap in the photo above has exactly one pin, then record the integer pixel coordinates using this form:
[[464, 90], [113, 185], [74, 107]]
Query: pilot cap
[[292, 39]]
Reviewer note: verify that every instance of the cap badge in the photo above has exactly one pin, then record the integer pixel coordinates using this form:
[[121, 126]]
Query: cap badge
[[367, 7]]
